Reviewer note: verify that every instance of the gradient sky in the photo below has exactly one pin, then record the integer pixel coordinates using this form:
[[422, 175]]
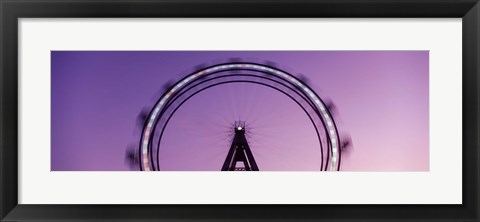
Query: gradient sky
[[381, 100]]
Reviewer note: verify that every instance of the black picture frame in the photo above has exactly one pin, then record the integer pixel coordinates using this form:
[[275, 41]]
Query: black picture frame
[[12, 10]]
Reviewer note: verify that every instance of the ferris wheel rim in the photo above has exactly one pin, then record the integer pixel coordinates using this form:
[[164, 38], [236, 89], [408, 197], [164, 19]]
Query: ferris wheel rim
[[333, 131]]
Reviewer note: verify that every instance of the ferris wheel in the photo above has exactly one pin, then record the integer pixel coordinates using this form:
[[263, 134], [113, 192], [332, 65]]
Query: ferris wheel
[[265, 75]]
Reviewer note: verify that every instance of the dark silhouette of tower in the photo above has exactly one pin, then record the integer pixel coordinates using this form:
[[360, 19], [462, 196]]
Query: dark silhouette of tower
[[239, 152]]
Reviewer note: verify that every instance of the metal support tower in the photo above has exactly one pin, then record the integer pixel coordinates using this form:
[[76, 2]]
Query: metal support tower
[[239, 152]]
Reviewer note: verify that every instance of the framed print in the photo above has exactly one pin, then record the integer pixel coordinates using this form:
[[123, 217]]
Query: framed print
[[322, 110]]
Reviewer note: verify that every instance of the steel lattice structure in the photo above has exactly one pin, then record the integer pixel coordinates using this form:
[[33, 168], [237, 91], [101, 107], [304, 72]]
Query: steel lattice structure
[[240, 151]]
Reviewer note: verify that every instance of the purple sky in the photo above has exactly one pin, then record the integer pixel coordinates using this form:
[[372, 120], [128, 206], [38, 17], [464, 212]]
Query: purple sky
[[381, 99]]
